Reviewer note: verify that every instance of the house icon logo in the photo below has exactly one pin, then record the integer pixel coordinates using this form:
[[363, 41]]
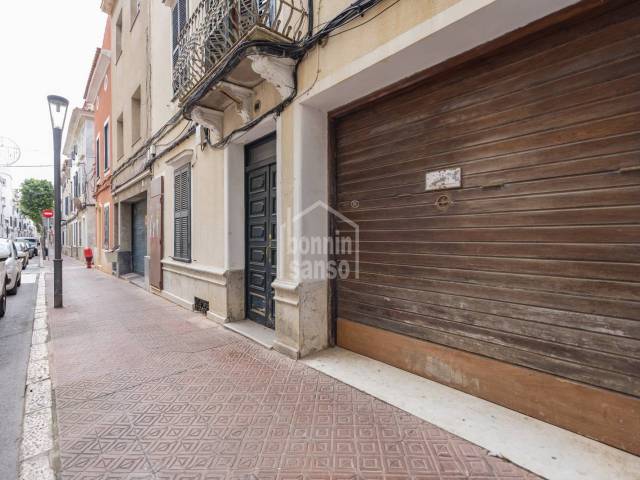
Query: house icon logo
[[326, 253]]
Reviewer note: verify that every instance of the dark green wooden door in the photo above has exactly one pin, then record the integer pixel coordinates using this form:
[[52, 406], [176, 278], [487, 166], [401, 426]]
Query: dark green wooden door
[[260, 231]]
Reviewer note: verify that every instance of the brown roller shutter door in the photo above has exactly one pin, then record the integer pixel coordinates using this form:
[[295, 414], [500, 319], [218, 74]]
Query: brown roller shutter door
[[534, 260]]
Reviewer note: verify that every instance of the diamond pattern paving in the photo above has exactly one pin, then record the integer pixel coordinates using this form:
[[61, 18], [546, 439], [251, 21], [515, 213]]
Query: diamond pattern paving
[[147, 390]]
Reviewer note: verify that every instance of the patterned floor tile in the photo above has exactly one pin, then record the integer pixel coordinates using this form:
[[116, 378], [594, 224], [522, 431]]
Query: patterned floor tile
[[146, 390]]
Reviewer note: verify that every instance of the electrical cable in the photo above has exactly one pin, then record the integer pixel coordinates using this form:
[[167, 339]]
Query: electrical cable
[[295, 51], [366, 21]]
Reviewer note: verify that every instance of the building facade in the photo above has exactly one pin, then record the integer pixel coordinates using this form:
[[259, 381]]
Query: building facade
[[389, 178], [98, 95], [130, 107], [12, 223], [79, 217]]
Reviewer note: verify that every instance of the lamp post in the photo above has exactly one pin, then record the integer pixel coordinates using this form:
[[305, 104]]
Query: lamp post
[[58, 111]]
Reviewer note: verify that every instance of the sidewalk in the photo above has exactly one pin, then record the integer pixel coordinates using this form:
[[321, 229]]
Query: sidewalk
[[145, 389]]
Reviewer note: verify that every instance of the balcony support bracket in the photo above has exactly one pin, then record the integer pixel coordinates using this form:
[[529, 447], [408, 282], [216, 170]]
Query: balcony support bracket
[[241, 96], [212, 119], [277, 71]]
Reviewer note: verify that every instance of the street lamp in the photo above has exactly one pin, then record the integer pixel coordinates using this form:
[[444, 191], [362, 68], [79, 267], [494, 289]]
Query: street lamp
[[58, 111]]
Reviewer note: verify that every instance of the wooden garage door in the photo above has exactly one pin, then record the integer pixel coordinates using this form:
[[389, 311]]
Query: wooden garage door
[[535, 259]]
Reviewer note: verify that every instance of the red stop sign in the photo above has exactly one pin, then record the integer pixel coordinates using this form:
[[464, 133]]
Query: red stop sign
[[48, 213]]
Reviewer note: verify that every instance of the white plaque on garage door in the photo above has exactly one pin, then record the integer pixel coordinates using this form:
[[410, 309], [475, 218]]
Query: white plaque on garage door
[[444, 179]]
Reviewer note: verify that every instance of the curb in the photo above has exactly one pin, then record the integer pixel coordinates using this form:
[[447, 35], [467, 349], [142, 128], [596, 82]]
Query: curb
[[35, 459]]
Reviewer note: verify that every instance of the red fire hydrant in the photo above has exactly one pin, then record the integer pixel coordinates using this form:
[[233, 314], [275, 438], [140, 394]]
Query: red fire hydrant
[[88, 256]]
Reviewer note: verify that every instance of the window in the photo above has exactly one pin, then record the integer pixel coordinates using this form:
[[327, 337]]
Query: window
[[134, 6], [136, 118], [120, 136], [182, 214], [119, 36], [178, 21], [98, 157], [105, 226], [106, 146]]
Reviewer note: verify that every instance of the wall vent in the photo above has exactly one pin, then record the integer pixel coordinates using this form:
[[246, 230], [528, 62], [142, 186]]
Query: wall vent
[[200, 305]]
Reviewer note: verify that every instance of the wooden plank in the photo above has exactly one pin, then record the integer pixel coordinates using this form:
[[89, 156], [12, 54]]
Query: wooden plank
[[615, 272], [609, 189], [547, 331], [496, 177], [603, 415], [591, 234], [621, 64], [608, 108], [560, 301], [485, 70], [592, 156], [584, 322], [510, 147], [579, 364], [491, 116], [520, 251], [628, 214], [501, 277]]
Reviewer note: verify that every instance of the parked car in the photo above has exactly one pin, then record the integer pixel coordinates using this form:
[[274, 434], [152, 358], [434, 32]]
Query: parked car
[[3, 281], [33, 242], [23, 252], [13, 265]]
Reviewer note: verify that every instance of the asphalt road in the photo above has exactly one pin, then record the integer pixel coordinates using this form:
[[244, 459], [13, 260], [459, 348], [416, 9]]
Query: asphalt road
[[15, 343]]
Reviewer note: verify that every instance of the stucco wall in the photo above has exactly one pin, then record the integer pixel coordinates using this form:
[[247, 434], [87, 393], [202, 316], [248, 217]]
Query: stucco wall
[[161, 65], [381, 24], [207, 222], [103, 195], [129, 71]]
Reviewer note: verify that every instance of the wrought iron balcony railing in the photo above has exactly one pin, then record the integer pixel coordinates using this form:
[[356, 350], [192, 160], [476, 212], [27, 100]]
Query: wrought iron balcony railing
[[216, 27]]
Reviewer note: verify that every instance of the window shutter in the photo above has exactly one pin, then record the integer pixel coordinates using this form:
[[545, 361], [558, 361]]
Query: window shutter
[[182, 213], [106, 221], [175, 26], [178, 22], [106, 147], [97, 158]]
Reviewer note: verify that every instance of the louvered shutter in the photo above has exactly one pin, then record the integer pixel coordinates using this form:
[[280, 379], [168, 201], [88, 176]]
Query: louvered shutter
[[182, 213], [178, 21], [97, 158]]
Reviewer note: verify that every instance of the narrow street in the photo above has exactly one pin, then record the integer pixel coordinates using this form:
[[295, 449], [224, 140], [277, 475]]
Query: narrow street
[[15, 342], [145, 389]]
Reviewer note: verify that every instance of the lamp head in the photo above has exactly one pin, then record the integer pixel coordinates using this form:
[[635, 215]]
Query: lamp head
[[58, 110]]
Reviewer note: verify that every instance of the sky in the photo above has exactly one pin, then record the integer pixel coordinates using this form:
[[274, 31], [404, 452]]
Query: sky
[[46, 47]]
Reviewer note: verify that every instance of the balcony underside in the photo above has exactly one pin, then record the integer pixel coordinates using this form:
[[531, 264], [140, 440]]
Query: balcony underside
[[229, 48], [233, 83], [236, 67]]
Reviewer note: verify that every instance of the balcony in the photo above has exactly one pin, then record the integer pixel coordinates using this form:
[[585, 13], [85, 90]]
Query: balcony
[[220, 38]]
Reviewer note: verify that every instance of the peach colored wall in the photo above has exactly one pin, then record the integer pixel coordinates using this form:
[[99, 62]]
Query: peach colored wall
[[103, 187]]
